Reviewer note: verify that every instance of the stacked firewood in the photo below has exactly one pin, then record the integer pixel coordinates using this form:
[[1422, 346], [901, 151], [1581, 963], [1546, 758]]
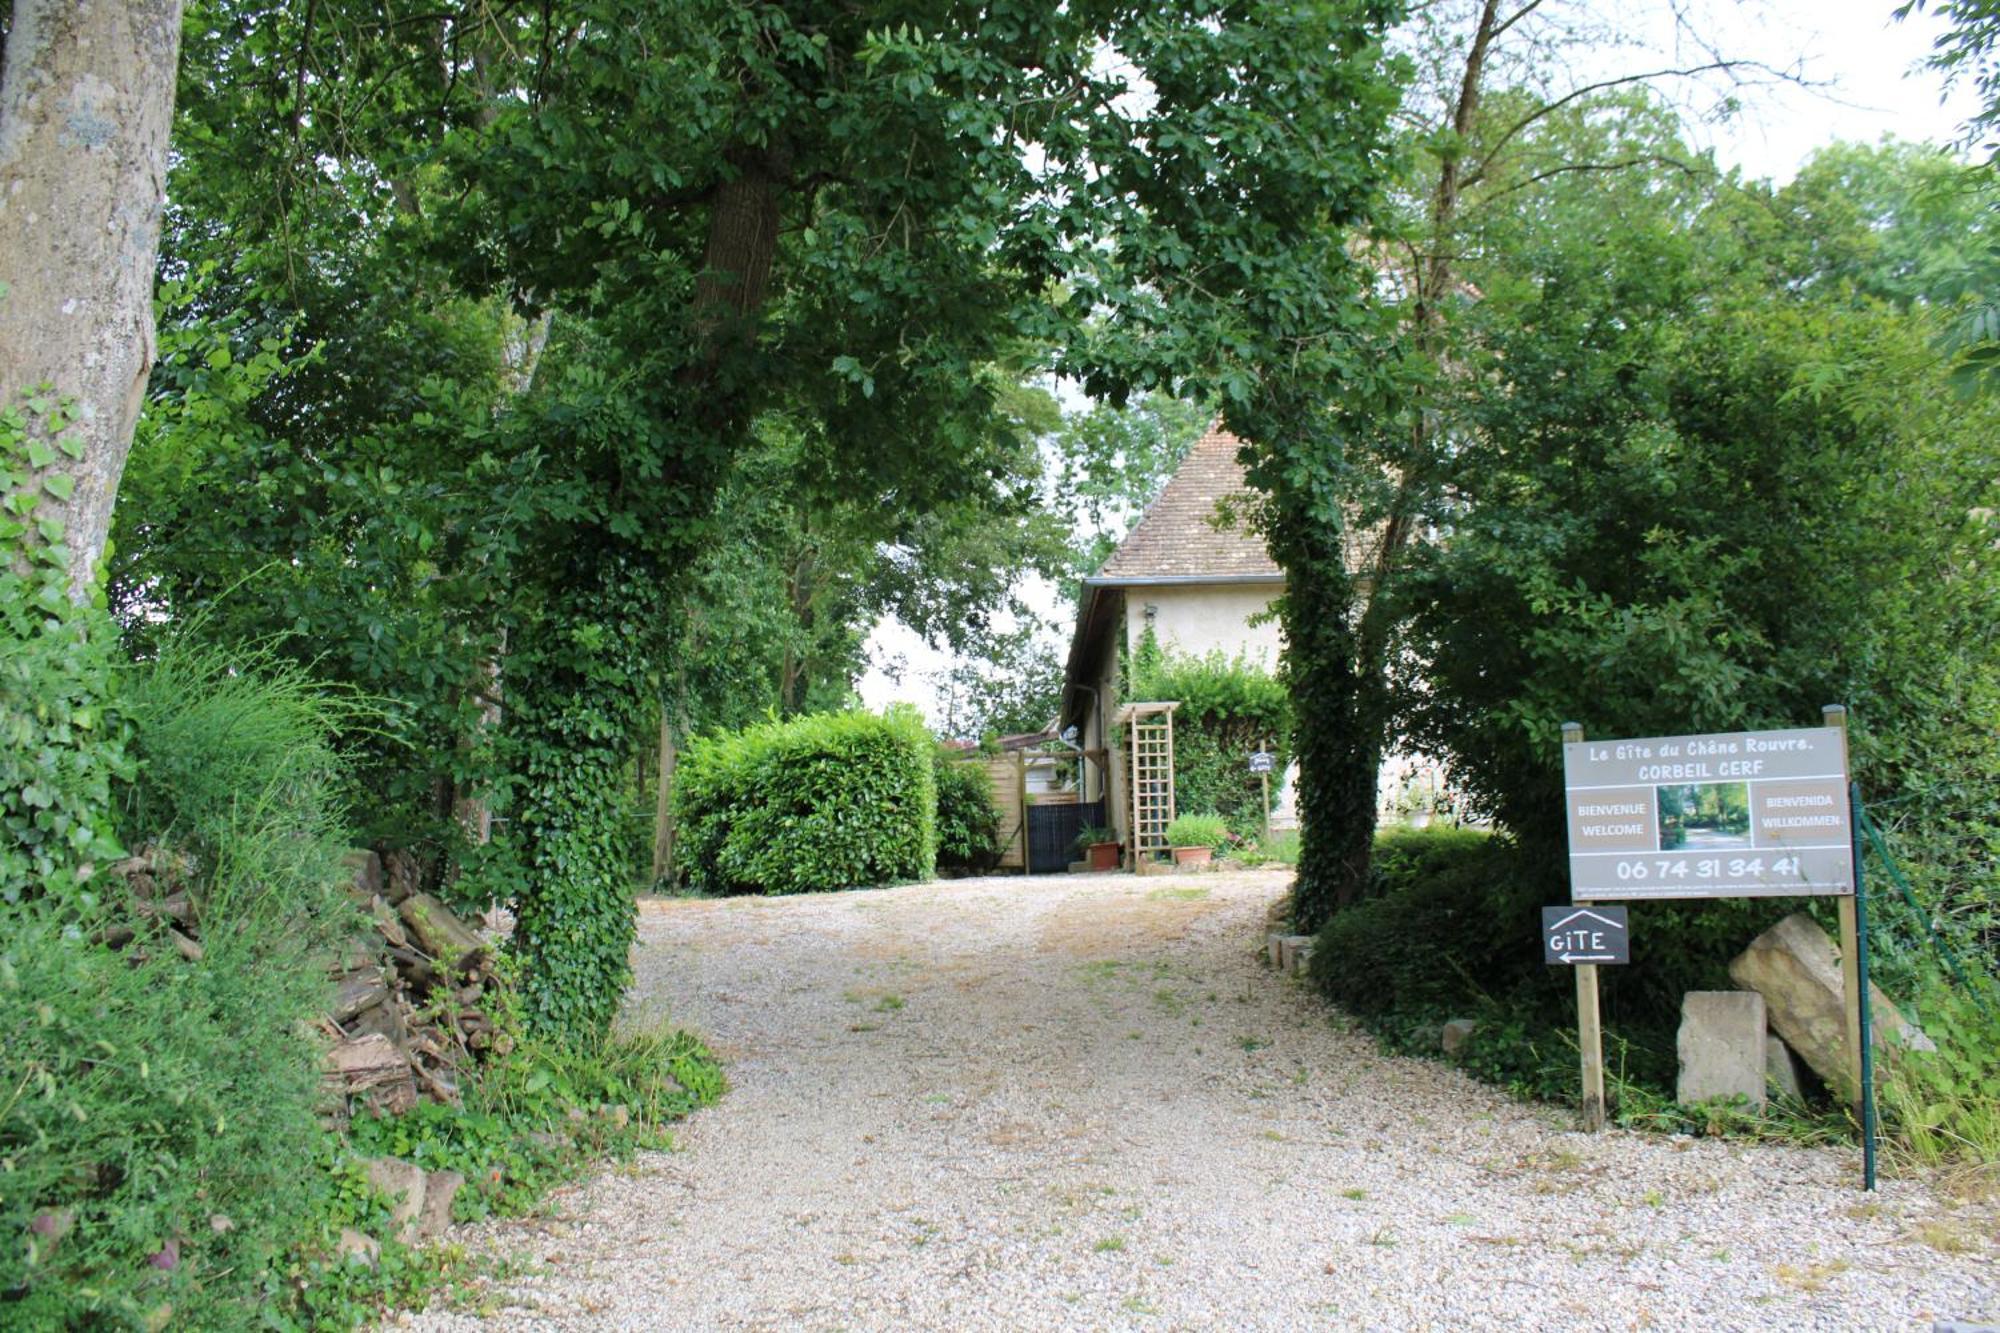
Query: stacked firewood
[[411, 1011], [411, 1005]]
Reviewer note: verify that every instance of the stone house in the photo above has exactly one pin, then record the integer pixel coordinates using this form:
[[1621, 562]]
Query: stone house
[[1200, 583]]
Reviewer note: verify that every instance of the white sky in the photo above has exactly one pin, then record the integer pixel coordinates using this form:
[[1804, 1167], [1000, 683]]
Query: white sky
[[1867, 63]]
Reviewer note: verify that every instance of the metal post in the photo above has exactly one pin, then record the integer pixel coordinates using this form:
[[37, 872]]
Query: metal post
[[1850, 949], [1861, 953], [1589, 1023]]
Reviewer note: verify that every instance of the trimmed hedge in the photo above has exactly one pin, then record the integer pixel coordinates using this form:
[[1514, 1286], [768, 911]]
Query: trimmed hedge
[[968, 827], [830, 801]]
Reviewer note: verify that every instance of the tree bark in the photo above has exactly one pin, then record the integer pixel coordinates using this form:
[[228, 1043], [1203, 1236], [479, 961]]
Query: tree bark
[[86, 104], [663, 808]]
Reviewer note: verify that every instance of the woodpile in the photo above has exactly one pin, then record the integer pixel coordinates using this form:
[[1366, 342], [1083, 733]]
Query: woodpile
[[409, 1017]]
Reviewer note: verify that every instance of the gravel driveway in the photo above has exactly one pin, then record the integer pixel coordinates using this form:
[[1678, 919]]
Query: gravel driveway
[[1083, 1102]]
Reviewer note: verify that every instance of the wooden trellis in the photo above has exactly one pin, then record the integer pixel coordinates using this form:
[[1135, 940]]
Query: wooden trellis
[[1149, 760]]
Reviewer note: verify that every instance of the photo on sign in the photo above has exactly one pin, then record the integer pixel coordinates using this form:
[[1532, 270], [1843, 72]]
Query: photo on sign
[[1704, 816]]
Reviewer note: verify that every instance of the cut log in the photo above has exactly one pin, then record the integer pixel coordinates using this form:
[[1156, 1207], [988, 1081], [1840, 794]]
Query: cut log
[[385, 1019], [401, 876], [176, 909], [388, 923], [417, 971], [440, 1086], [442, 935], [372, 1070], [363, 988], [189, 950], [365, 875]]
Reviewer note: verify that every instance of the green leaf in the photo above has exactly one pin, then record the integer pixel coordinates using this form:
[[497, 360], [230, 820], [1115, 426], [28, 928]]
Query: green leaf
[[61, 485]]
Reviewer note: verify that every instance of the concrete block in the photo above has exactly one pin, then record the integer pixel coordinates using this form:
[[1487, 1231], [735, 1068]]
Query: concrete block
[[1301, 956], [1721, 1046], [1455, 1034], [1796, 968], [1274, 948]]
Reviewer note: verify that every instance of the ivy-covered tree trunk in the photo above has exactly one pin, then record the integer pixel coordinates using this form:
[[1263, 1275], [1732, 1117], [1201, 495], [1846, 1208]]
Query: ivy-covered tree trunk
[[1338, 707], [579, 698]]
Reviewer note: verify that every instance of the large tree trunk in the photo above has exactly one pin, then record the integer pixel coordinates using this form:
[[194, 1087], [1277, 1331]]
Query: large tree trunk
[[86, 103]]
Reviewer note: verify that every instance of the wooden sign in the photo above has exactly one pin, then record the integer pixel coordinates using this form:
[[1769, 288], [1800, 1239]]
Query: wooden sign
[[1749, 814]]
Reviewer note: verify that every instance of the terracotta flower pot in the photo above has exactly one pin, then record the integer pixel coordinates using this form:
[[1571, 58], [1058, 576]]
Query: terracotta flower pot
[[1103, 855], [1193, 856]]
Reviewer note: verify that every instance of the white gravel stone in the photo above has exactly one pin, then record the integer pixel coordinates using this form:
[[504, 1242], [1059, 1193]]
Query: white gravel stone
[[1095, 1108]]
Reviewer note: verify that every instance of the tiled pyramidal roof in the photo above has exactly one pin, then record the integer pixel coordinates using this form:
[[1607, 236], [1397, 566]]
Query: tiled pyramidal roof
[[1178, 536]]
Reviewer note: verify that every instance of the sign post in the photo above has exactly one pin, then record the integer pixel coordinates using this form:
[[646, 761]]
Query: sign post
[[1749, 814], [1260, 764], [1589, 1025]]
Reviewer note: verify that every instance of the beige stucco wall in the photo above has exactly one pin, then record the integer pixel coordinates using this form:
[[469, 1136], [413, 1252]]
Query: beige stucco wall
[[1200, 618]]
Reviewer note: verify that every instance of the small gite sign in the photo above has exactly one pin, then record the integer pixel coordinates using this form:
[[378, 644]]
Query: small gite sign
[[1576, 934]]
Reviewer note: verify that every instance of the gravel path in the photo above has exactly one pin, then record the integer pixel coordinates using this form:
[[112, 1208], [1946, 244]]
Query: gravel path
[[1083, 1102]]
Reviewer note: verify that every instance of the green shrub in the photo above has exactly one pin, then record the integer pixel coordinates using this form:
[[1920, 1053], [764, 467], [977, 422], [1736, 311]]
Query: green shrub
[[968, 826], [159, 1108], [1229, 707], [1943, 1107], [1209, 831], [831, 801], [1475, 900]]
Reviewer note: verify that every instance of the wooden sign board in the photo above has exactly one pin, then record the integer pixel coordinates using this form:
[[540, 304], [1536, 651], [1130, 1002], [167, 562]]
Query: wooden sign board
[[1575, 935], [1748, 814]]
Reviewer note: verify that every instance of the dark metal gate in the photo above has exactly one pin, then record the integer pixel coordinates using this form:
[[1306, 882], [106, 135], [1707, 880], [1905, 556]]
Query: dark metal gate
[[1052, 831]]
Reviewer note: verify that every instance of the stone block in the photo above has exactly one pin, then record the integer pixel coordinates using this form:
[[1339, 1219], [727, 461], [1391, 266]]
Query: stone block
[[1288, 948], [1274, 948], [1796, 968], [357, 1245], [440, 1188], [1721, 1046], [403, 1184], [1784, 1073], [1301, 956], [1455, 1034]]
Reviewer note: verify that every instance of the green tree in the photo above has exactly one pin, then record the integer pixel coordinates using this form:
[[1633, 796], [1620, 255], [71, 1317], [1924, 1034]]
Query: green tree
[[844, 212], [1707, 486]]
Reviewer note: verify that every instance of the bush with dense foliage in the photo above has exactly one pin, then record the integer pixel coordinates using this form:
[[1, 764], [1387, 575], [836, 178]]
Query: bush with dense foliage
[[161, 1105], [1229, 707], [1475, 898], [829, 801], [968, 825]]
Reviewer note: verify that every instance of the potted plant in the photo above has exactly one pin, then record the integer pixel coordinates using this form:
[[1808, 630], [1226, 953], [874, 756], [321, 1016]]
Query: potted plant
[[1100, 847], [1196, 838]]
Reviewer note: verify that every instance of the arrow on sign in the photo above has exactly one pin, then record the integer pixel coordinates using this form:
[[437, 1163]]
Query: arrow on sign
[[1590, 958]]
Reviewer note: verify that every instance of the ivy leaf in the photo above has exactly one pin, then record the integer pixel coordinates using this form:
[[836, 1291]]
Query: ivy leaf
[[61, 485]]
